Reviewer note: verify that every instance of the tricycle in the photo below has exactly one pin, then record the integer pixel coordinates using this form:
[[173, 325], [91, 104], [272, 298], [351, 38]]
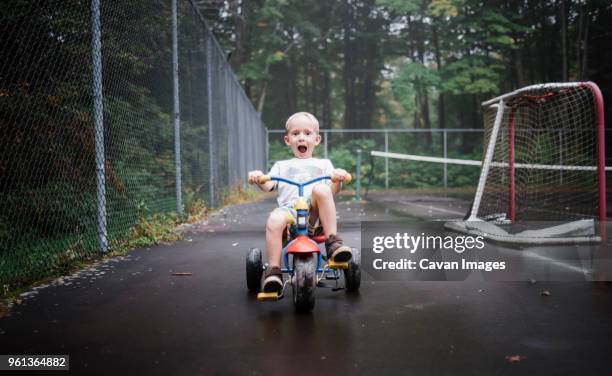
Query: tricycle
[[302, 258]]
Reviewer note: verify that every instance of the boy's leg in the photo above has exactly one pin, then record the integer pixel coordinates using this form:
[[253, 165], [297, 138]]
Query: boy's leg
[[313, 219], [275, 226], [324, 207]]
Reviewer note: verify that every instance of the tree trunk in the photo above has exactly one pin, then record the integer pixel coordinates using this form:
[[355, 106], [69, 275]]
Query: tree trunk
[[262, 98], [585, 50], [579, 38], [441, 109], [326, 116], [420, 88], [424, 91], [291, 88], [361, 57], [241, 41], [467, 141], [563, 41], [306, 95], [314, 86], [348, 71], [517, 64]]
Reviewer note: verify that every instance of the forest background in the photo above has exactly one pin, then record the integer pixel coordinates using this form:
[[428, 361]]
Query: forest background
[[408, 63]]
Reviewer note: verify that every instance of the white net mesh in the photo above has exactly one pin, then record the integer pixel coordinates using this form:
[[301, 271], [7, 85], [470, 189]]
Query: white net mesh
[[549, 136], [542, 176]]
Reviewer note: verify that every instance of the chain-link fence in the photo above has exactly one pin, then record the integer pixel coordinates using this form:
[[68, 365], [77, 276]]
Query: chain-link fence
[[341, 145], [90, 111]]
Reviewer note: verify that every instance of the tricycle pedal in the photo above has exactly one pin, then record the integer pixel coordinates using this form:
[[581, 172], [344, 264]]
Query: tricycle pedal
[[337, 265], [268, 296]]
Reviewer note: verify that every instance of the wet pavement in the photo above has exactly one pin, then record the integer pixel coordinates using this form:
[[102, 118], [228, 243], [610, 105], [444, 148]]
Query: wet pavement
[[135, 315]]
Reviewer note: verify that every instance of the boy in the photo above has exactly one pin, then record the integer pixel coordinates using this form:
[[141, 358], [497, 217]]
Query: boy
[[302, 136]]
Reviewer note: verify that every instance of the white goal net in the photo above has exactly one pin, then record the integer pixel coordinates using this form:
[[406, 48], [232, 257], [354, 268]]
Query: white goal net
[[543, 171]]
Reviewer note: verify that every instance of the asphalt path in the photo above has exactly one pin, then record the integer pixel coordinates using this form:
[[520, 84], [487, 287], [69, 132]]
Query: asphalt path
[[133, 315]]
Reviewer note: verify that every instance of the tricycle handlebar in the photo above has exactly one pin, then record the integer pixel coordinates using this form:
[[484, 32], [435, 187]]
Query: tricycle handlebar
[[267, 178]]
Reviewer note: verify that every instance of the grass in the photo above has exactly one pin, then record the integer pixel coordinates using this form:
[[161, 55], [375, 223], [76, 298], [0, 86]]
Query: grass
[[240, 195]]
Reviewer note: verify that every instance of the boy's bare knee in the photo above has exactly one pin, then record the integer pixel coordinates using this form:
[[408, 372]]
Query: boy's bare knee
[[276, 222], [322, 190]]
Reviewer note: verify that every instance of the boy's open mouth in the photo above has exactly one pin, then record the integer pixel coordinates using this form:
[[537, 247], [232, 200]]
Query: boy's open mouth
[[302, 148]]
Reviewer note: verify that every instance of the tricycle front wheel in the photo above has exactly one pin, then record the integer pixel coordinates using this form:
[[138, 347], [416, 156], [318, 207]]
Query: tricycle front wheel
[[305, 281]]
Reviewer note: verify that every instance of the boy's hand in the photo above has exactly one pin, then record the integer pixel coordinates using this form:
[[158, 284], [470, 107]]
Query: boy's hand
[[254, 177], [339, 175]]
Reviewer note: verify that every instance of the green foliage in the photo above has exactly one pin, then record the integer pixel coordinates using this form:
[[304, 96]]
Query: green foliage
[[153, 228], [278, 151], [268, 20], [445, 8], [345, 155], [401, 6], [34, 257], [471, 75], [194, 205], [410, 75], [56, 207], [316, 56]]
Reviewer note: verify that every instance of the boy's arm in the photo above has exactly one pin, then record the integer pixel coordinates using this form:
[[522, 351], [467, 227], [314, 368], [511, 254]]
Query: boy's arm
[[254, 177], [336, 187], [267, 186], [338, 176]]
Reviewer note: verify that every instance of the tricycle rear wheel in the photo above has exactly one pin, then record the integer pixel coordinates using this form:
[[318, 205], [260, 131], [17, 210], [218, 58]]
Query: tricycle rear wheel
[[352, 275], [254, 269], [304, 282]]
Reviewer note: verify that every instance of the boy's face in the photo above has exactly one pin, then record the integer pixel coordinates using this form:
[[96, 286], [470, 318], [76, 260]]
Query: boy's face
[[302, 137]]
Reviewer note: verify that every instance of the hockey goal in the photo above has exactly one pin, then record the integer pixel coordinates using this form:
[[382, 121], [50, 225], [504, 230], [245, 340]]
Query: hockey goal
[[543, 171]]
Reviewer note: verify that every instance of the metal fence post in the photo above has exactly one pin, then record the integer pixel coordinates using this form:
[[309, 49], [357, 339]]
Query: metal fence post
[[211, 144], [386, 159], [445, 146], [233, 172], [325, 136], [358, 177], [98, 114], [265, 166], [176, 114]]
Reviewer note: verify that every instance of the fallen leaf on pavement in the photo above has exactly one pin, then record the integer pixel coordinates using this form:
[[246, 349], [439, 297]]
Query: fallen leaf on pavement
[[515, 358], [545, 293], [4, 311]]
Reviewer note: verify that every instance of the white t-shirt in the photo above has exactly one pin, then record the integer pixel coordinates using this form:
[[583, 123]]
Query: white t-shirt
[[299, 170]]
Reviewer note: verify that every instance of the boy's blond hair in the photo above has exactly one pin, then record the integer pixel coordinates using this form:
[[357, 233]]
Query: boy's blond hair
[[307, 115]]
